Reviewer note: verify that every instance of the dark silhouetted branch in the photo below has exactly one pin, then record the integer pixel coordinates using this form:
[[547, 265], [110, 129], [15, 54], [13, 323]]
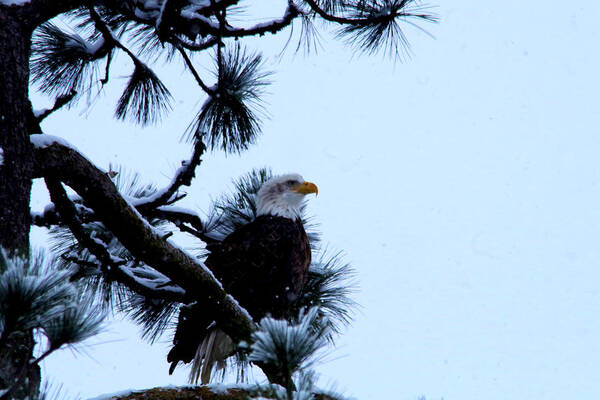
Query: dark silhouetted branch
[[183, 177], [141, 240], [60, 102], [112, 268]]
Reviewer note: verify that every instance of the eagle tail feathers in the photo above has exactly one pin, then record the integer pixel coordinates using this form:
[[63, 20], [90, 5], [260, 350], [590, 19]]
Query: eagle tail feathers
[[212, 352]]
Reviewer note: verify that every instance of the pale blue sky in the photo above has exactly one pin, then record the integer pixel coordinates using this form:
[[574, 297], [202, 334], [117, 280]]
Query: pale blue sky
[[463, 184]]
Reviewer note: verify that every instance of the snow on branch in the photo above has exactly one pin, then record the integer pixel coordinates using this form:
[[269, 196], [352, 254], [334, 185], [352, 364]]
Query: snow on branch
[[141, 239], [14, 2], [183, 177], [60, 102], [196, 19], [286, 345], [115, 268], [273, 26], [145, 97], [34, 295]]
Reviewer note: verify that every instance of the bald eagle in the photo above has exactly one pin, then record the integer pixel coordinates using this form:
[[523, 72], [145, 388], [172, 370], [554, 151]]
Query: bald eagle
[[263, 265]]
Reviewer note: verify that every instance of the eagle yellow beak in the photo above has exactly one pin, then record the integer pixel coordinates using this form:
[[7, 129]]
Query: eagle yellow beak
[[306, 188]]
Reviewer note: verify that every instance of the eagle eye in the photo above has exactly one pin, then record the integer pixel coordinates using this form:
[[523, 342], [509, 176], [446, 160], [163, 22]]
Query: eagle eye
[[291, 182]]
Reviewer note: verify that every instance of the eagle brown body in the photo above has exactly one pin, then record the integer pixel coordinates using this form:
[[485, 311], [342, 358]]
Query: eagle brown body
[[263, 265]]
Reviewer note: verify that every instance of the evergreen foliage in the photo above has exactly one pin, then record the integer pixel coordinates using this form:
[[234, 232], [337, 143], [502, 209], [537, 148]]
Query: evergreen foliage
[[62, 62], [292, 348], [34, 295], [145, 97], [231, 114], [380, 28], [66, 298], [99, 281]]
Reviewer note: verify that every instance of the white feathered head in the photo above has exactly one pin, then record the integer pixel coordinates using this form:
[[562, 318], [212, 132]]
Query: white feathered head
[[282, 195]]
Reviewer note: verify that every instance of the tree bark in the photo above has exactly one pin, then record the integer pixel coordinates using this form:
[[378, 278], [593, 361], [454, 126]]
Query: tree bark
[[16, 169], [206, 393], [15, 181]]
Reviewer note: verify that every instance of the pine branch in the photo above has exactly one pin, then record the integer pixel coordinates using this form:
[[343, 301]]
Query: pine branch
[[186, 221], [262, 392], [193, 46], [183, 177], [284, 348], [230, 117], [60, 102], [140, 239], [145, 97], [190, 66], [371, 11], [273, 26], [67, 211], [195, 22], [374, 24], [329, 286], [34, 295], [149, 202], [61, 62], [114, 269]]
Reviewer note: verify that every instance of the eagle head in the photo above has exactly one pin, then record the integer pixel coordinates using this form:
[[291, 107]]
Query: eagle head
[[282, 195]]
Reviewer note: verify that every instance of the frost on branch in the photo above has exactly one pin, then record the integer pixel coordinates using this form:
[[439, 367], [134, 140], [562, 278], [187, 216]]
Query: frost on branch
[[36, 296], [285, 345]]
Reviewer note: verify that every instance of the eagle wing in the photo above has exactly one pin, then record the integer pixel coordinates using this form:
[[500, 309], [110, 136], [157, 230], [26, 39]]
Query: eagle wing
[[263, 265]]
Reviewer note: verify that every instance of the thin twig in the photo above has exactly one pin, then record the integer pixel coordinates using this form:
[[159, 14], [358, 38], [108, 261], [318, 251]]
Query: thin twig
[[110, 38], [364, 21], [104, 80], [190, 66], [60, 102], [183, 177]]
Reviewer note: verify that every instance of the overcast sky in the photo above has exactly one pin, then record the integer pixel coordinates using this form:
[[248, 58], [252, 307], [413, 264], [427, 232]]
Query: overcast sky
[[463, 185]]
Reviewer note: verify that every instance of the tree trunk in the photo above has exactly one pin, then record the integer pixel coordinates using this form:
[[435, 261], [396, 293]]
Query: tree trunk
[[17, 166], [15, 181]]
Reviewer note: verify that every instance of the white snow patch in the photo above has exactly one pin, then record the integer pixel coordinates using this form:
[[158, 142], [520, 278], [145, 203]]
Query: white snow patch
[[159, 193], [110, 396], [1, 156], [191, 14], [14, 2], [222, 388], [41, 141], [218, 388], [276, 21], [158, 282], [201, 3], [177, 209]]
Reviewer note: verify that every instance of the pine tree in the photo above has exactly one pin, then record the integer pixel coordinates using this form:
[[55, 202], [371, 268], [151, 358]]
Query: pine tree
[[110, 239]]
